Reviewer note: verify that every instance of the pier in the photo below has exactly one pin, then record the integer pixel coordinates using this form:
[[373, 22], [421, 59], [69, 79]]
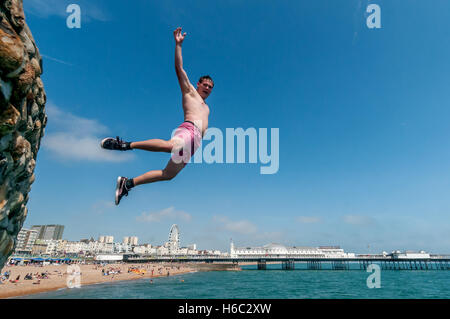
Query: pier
[[292, 263]]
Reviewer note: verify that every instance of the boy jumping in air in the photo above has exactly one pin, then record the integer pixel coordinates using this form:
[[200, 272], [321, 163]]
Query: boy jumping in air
[[187, 137]]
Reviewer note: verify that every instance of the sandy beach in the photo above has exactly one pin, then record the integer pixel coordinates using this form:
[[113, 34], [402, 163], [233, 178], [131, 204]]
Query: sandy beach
[[53, 277]]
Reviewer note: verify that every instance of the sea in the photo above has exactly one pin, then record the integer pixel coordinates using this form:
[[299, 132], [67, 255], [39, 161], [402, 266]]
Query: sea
[[272, 283]]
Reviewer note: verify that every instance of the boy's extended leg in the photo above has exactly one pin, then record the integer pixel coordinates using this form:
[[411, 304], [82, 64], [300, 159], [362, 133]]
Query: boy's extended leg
[[154, 145], [124, 184]]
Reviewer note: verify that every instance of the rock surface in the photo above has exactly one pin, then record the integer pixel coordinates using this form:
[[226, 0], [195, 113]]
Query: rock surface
[[22, 120]]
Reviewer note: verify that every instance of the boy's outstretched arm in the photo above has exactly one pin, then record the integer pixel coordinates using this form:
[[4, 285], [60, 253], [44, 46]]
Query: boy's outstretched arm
[[183, 79]]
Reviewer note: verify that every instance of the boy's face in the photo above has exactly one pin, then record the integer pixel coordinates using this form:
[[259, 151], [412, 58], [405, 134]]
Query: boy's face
[[204, 88]]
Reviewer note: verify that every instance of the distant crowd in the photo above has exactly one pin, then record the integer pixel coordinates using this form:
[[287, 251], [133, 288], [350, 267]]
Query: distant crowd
[[5, 277]]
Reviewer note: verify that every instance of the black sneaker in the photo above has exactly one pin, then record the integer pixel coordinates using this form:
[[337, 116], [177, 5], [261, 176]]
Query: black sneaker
[[121, 188], [117, 144]]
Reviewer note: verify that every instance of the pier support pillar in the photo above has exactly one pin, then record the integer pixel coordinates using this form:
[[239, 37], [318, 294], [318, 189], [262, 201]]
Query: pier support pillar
[[314, 265], [262, 265], [288, 265], [342, 265]]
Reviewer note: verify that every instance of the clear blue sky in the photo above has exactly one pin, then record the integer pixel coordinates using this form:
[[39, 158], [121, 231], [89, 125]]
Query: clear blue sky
[[363, 117]]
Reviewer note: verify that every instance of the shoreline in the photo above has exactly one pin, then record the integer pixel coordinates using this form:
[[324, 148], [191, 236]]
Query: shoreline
[[58, 278], [91, 274]]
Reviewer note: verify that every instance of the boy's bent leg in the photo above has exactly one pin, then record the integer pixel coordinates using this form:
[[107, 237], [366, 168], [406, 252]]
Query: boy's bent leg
[[171, 170]]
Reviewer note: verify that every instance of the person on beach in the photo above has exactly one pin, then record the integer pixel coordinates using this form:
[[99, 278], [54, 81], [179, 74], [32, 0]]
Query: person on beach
[[187, 137]]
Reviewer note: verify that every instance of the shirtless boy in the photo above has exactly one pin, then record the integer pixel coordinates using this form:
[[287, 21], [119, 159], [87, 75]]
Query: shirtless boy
[[187, 137]]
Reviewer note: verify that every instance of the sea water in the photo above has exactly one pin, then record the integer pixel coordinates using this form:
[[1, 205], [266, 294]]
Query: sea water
[[272, 283]]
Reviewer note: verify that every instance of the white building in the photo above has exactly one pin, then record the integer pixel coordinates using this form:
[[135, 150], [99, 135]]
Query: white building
[[108, 258], [163, 250], [335, 252], [106, 239], [94, 247], [278, 250], [52, 246], [133, 240], [48, 246], [109, 239], [122, 248], [75, 247], [410, 254], [186, 251], [25, 240]]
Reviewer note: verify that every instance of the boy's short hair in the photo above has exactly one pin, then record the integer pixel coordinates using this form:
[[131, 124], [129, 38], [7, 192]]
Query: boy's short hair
[[206, 77]]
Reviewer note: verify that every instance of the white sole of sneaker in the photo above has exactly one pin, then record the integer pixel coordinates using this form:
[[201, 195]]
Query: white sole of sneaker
[[117, 190], [103, 141]]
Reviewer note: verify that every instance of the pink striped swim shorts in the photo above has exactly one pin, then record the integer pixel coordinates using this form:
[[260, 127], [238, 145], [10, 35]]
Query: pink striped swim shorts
[[191, 137]]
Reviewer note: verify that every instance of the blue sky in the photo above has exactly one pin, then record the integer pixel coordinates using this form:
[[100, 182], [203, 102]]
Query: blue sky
[[362, 115]]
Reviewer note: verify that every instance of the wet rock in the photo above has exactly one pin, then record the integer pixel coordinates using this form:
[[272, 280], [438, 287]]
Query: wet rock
[[8, 120], [14, 10], [22, 120], [11, 48]]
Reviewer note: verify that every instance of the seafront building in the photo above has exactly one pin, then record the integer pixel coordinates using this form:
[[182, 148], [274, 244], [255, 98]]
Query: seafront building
[[106, 239], [133, 240], [279, 250], [25, 241], [410, 255], [49, 232]]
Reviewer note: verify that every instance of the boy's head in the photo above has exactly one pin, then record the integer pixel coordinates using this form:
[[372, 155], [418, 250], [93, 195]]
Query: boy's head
[[204, 86]]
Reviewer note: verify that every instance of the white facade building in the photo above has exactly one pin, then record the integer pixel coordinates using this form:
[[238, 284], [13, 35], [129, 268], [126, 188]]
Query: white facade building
[[410, 254], [49, 246], [278, 250], [108, 258], [133, 240], [122, 248], [163, 250], [146, 249], [25, 240], [106, 239], [95, 247]]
